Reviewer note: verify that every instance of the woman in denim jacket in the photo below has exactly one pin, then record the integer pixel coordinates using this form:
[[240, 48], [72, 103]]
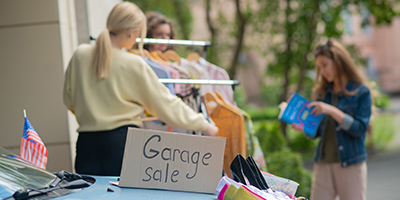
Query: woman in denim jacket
[[341, 94]]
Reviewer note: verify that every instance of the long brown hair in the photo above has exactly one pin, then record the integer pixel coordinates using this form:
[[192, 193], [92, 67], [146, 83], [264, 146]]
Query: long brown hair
[[125, 16], [345, 68], [155, 19]]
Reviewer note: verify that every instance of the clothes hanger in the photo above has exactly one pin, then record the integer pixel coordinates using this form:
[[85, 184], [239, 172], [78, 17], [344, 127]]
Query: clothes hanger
[[137, 52], [157, 57], [134, 51], [227, 104], [172, 55], [147, 54], [162, 56], [212, 97], [193, 57]]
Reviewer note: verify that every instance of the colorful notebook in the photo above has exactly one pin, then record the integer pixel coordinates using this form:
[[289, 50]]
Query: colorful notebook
[[296, 111]]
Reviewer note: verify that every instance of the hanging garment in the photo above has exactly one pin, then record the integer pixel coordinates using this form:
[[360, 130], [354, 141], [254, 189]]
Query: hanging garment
[[198, 72], [231, 125], [188, 92], [161, 126], [183, 74], [218, 73], [161, 73], [174, 75], [253, 144]]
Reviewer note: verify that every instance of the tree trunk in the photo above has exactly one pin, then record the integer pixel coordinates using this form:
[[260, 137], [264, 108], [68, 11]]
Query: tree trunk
[[311, 29], [181, 19], [288, 58], [211, 55], [242, 21]]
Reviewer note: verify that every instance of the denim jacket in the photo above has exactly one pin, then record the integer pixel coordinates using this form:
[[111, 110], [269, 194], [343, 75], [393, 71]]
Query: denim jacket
[[350, 135]]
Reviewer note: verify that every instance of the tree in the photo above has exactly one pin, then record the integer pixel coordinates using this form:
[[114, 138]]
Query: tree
[[177, 10], [305, 22]]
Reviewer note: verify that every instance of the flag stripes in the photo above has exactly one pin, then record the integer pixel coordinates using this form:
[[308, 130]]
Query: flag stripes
[[32, 147]]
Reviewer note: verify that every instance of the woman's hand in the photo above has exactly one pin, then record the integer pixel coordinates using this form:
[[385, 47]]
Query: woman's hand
[[323, 108], [297, 127], [211, 130], [320, 108]]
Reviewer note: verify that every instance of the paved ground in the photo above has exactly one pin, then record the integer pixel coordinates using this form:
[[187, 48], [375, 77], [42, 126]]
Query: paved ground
[[384, 176], [384, 167]]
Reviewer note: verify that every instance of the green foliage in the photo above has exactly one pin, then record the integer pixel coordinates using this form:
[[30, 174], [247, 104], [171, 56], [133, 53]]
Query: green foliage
[[356, 55], [176, 10], [383, 129], [288, 164], [280, 160], [271, 94], [382, 10], [240, 98], [383, 101], [299, 143], [270, 137], [308, 85], [292, 31], [265, 113]]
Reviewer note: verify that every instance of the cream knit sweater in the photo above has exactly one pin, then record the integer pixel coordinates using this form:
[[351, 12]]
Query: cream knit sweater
[[119, 99]]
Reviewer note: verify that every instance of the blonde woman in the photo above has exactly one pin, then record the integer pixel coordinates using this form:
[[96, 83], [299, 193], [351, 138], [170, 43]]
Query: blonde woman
[[341, 94], [108, 89]]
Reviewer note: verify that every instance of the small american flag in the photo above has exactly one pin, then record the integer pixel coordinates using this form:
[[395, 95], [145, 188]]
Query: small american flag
[[33, 149]]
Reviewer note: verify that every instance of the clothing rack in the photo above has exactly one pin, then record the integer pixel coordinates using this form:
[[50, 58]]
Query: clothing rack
[[171, 41], [204, 44], [233, 83], [200, 81]]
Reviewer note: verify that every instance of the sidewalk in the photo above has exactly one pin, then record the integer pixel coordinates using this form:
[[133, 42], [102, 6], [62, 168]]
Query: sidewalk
[[384, 176], [384, 168]]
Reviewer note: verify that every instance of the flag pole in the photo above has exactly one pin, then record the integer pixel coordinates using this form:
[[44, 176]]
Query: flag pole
[[29, 148]]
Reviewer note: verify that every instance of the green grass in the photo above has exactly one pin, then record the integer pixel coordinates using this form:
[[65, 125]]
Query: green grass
[[383, 130]]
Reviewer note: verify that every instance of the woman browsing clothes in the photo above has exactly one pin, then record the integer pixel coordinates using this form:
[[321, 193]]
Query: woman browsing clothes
[[340, 92], [159, 27], [108, 89]]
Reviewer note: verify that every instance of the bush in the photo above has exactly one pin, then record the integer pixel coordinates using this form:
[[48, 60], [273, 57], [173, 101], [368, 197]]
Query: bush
[[280, 159], [383, 130], [266, 113], [299, 143], [270, 137], [271, 94], [288, 164]]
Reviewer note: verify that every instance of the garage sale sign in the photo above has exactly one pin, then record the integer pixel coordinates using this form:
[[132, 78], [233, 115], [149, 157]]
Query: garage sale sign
[[172, 161]]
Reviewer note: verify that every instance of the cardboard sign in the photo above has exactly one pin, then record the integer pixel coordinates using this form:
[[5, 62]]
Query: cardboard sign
[[172, 161]]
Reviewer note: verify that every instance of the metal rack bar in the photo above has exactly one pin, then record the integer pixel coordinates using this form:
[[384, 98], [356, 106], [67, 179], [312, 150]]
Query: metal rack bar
[[174, 42], [200, 81], [171, 42]]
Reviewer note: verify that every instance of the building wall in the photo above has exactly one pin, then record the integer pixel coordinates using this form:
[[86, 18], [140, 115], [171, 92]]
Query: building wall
[[31, 74], [37, 40], [382, 46]]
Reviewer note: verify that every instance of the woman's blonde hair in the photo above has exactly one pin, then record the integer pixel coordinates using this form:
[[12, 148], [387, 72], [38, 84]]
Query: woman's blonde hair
[[344, 68], [125, 16]]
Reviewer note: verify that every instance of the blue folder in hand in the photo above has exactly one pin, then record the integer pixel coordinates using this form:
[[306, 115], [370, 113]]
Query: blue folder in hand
[[297, 112]]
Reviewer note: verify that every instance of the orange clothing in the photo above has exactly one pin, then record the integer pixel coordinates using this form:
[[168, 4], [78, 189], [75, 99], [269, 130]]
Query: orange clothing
[[231, 125]]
